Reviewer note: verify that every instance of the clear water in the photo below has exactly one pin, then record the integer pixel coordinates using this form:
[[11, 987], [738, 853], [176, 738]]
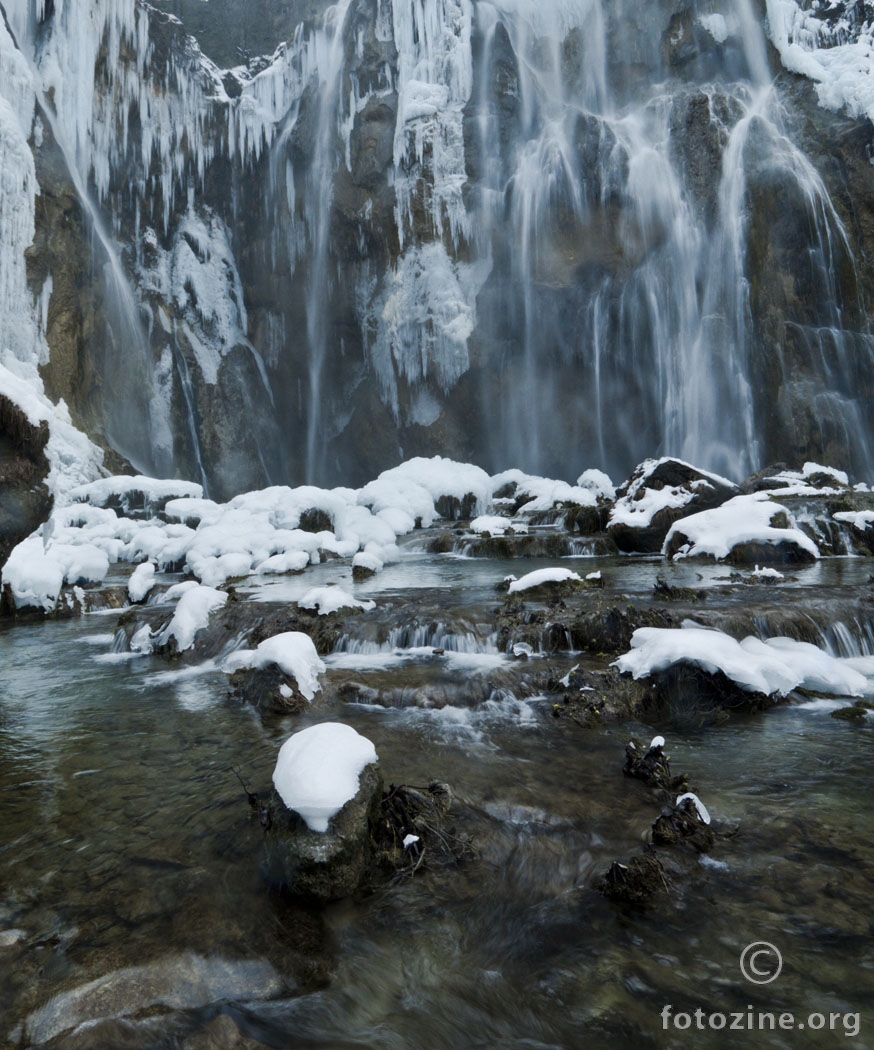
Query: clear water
[[130, 858]]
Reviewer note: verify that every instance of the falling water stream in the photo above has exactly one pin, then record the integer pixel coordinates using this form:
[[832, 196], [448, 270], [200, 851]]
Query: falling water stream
[[132, 912]]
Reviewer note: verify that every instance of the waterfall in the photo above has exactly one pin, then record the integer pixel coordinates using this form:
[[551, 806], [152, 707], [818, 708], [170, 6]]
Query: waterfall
[[539, 235]]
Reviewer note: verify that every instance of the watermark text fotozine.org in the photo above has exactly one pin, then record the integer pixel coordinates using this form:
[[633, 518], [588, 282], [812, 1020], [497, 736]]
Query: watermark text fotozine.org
[[760, 963], [750, 1020]]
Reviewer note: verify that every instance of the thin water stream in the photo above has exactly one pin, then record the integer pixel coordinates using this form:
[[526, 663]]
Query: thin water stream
[[132, 912]]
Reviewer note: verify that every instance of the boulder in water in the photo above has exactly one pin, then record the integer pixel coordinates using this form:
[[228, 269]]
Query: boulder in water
[[323, 865], [659, 493]]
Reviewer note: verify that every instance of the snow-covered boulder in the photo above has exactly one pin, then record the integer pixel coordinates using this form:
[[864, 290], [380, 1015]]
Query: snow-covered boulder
[[281, 674], [328, 600], [323, 812], [426, 489], [543, 583], [548, 500], [747, 530], [135, 497], [190, 616], [658, 493], [141, 581], [861, 527], [772, 668], [39, 567]]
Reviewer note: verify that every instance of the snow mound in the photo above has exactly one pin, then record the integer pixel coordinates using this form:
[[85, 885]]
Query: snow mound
[[541, 576], [142, 580], [38, 568], [318, 770], [597, 482], [743, 519], [490, 523], [415, 486], [543, 493], [859, 519], [775, 667], [837, 54], [135, 494], [292, 652], [191, 615], [332, 599]]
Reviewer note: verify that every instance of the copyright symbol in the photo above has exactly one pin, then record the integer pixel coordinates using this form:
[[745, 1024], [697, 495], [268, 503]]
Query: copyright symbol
[[761, 963]]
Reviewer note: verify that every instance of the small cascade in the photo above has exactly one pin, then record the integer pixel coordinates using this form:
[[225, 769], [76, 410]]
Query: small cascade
[[846, 640], [434, 635]]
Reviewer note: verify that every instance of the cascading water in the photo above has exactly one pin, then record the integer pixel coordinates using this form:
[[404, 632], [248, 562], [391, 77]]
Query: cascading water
[[546, 236]]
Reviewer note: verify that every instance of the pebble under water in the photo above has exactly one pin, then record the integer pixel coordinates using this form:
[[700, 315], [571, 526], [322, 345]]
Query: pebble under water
[[133, 914]]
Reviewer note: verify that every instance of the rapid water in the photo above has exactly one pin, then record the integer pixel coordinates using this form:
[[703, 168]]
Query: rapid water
[[131, 908]]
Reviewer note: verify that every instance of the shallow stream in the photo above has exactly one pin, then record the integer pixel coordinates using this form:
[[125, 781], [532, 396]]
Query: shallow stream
[[132, 912]]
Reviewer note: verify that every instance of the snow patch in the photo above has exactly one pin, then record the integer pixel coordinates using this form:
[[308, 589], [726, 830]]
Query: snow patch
[[318, 771], [292, 652]]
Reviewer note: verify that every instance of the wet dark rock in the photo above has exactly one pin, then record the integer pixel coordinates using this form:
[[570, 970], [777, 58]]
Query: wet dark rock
[[691, 697], [315, 520], [636, 881], [588, 521], [682, 825], [269, 690], [528, 545], [786, 552], [329, 865], [362, 572], [454, 509], [766, 479], [25, 502], [704, 493], [663, 591], [855, 713], [442, 543], [607, 627], [651, 765]]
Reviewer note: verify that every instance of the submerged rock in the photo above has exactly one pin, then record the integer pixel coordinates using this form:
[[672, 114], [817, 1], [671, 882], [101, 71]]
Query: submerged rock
[[636, 881]]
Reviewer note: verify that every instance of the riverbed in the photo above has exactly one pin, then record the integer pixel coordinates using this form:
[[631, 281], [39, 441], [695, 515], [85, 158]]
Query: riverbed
[[133, 913]]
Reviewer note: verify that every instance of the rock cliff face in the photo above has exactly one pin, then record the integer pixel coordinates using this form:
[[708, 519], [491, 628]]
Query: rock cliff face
[[281, 241]]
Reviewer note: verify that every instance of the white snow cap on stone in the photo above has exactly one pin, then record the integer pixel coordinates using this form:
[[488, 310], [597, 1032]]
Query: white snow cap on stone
[[544, 493], [331, 599], [141, 581], [699, 805], [773, 667], [742, 519], [293, 653], [491, 523], [318, 770], [598, 482], [540, 576], [368, 560], [191, 615], [860, 519]]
